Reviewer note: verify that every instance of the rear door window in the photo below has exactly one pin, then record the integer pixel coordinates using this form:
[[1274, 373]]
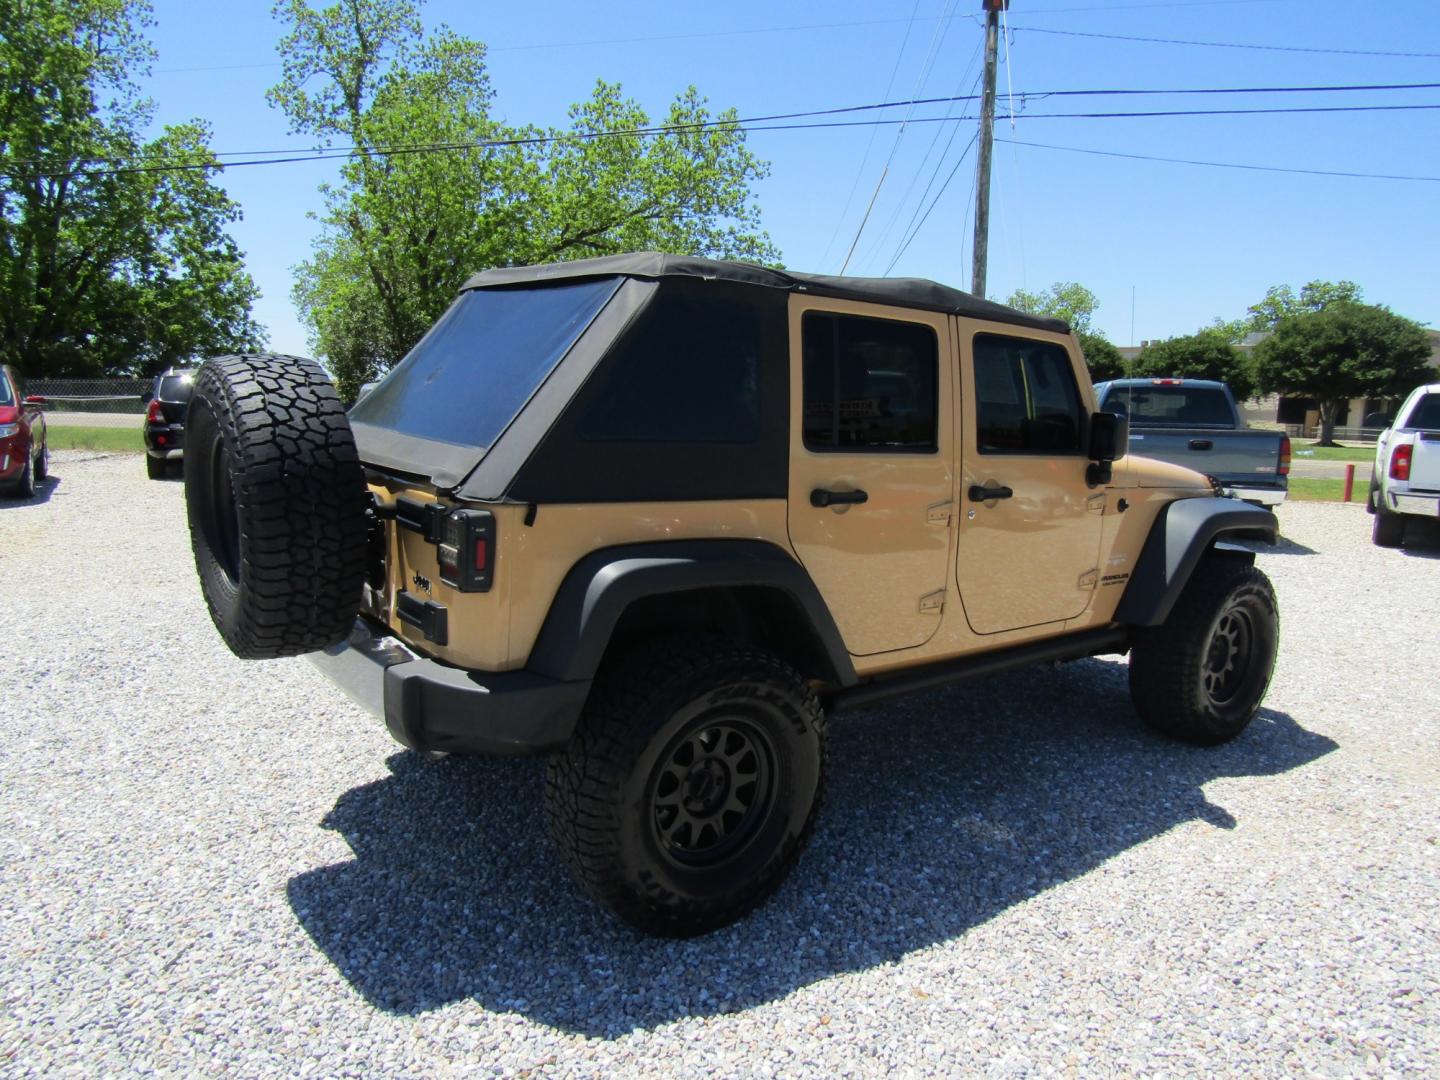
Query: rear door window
[[478, 366], [871, 385]]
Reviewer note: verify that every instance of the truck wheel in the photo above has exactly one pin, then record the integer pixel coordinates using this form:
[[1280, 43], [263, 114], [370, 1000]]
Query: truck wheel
[[154, 467], [690, 786], [1201, 676], [276, 501], [1388, 529]]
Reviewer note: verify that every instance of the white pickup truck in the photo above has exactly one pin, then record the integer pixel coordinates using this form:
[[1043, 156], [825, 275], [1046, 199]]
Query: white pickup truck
[[1406, 481]]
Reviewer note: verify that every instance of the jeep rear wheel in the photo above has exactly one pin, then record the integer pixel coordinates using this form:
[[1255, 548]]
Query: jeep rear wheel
[[690, 786], [1202, 675], [276, 502]]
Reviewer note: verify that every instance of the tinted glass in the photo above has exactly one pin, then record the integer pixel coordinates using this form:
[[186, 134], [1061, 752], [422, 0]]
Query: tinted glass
[[1426, 413], [7, 395], [870, 384], [1171, 406], [688, 372], [476, 368], [1026, 400], [174, 388]]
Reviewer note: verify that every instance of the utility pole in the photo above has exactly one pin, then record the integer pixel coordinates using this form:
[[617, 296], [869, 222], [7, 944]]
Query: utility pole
[[981, 249]]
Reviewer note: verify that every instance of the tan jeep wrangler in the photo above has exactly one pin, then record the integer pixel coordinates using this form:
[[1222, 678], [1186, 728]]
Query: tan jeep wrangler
[[659, 516]]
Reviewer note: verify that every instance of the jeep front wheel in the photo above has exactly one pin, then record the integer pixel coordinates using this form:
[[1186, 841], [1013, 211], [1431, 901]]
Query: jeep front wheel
[[1202, 675], [275, 496], [690, 785]]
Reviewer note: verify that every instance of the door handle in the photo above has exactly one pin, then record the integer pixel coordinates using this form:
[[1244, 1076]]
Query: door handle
[[985, 494], [822, 497], [1200, 444]]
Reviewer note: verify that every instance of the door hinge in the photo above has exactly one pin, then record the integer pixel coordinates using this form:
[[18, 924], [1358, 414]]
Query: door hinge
[[932, 602], [939, 514], [1095, 504], [1088, 579]]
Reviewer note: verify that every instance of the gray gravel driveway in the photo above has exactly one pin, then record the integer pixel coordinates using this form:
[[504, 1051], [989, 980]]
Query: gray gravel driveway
[[209, 866]]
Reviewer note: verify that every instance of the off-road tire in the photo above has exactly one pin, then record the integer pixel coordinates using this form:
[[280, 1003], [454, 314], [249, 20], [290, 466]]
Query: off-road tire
[[1387, 529], [276, 502], [614, 810], [155, 467], [1201, 676]]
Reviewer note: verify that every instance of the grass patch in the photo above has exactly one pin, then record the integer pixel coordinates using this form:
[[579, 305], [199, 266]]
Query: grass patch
[[1323, 489], [1332, 453], [66, 437]]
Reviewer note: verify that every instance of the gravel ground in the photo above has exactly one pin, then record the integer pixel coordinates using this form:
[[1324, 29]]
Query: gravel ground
[[208, 866]]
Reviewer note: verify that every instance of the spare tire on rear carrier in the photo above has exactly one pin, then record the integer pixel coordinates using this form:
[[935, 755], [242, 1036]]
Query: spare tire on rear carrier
[[277, 504]]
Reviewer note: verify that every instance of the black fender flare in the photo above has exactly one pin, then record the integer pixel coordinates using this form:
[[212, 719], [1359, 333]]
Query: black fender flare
[[1182, 533], [596, 591]]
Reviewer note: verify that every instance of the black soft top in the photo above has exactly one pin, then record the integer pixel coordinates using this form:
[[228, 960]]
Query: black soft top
[[898, 292]]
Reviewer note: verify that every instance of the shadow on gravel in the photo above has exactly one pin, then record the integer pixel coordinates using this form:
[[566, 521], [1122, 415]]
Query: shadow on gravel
[[943, 812], [1282, 546], [1422, 539], [43, 490]]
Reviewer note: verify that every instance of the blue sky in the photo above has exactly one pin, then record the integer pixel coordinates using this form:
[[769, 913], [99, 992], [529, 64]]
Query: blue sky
[[1188, 243]]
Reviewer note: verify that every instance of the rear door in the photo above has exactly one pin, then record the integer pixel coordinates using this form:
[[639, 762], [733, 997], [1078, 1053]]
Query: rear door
[[1030, 528], [872, 466]]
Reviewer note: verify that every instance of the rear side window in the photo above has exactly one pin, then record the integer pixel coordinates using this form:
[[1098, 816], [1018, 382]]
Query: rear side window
[[1171, 406], [870, 384], [1426, 413], [1026, 399], [473, 372], [7, 395], [688, 373]]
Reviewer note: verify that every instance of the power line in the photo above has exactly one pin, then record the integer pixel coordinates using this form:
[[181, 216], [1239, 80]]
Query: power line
[[326, 153], [870, 143], [750, 31], [1229, 44], [1221, 164], [914, 232], [747, 125], [935, 41]]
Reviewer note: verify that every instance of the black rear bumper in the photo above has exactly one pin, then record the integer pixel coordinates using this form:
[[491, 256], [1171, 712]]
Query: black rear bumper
[[429, 706]]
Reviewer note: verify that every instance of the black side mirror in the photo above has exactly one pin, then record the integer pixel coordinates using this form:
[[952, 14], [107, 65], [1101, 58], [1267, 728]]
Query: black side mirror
[[1109, 439]]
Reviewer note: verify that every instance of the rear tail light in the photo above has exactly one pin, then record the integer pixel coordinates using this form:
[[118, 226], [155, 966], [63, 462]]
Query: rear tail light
[[467, 550], [154, 414], [1400, 462], [1284, 469]]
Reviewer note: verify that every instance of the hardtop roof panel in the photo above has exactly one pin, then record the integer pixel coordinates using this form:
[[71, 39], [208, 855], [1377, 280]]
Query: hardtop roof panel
[[899, 292]]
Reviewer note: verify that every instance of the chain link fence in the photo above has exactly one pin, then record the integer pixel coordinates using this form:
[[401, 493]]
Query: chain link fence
[[91, 395]]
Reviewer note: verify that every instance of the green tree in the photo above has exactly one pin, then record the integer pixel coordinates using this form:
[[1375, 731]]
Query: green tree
[[1068, 300], [405, 225], [105, 270], [1205, 354], [1280, 301], [1343, 350], [1103, 358], [1076, 305]]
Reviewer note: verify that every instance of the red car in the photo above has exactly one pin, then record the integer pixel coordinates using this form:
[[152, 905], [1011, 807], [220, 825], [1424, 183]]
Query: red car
[[24, 456]]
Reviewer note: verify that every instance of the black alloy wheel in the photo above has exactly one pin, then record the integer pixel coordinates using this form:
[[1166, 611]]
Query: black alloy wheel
[[712, 789], [1202, 675], [691, 784]]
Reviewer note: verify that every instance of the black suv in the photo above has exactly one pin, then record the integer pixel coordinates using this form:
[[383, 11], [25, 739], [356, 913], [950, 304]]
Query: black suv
[[167, 403]]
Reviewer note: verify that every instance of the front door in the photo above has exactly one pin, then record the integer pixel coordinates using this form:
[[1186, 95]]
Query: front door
[[871, 466], [1029, 527]]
